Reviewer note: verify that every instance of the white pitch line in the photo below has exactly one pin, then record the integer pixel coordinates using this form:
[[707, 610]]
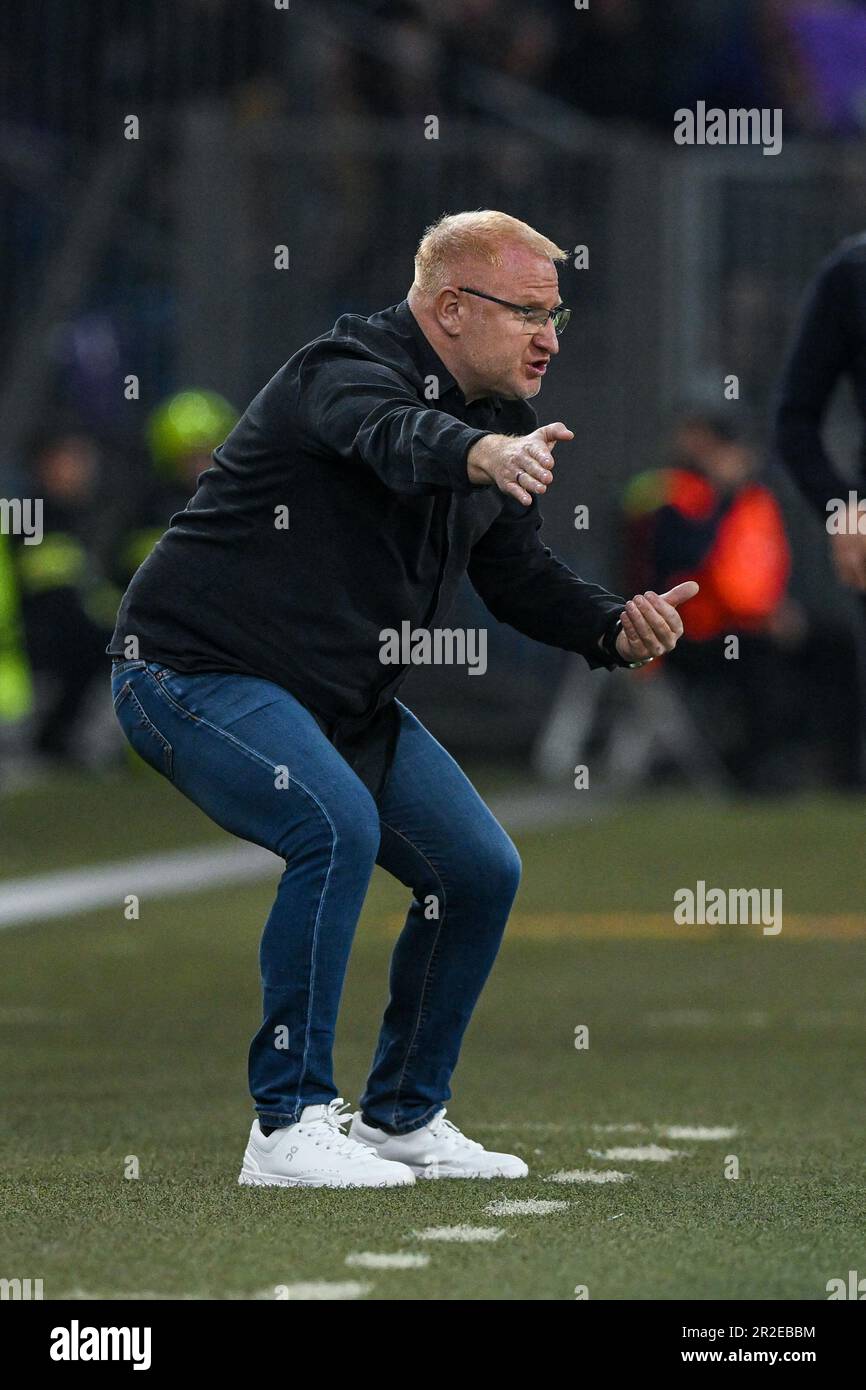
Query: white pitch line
[[75, 891], [527, 1206], [370, 1259], [621, 1129], [138, 1295], [506, 1126], [84, 1295], [644, 1153], [321, 1290], [707, 1132], [93, 886], [460, 1234], [589, 1175]]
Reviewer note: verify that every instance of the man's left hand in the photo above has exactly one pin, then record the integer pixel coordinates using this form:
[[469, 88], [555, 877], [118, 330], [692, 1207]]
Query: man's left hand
[[651, 624]]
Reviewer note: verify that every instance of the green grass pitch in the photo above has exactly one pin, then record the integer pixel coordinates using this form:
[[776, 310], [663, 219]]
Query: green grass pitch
[[128, 1039]]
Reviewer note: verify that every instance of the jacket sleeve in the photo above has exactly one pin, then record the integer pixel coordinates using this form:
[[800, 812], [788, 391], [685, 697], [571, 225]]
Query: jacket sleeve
[[820, 354], [369, 414], [524, 585]]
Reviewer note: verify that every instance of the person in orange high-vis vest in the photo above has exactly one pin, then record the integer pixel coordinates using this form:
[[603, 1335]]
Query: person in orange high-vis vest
[[745, 563], [708, 517]]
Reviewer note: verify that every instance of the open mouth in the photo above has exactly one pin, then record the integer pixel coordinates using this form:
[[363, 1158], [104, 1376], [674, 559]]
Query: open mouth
[[538, 367]]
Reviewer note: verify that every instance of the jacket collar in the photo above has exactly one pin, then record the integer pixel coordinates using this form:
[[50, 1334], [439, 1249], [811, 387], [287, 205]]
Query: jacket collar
[[425, 356]]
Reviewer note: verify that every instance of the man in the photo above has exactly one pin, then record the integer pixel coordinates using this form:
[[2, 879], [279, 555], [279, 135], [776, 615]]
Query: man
[[383, 461], [828, 345]]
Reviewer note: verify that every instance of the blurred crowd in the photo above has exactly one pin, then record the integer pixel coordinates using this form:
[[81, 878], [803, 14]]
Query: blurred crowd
[[637, 60]]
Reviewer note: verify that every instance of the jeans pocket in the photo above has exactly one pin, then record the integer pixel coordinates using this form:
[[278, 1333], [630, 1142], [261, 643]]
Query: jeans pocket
[[143, 734], [120, 695]]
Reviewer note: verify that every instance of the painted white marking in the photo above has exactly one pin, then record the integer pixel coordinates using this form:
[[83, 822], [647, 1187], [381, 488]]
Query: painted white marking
[[71, 892], [321, 1290], [370, 1259], [156, 876], [503, 1126], [698, 1131], [644, 1153], [142, 1294], [589, 1175], [528, 1206], [113, 1296], [460, 1233]]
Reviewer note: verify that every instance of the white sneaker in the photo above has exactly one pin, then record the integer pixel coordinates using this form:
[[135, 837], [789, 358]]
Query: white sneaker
[[439, 1150], [316, 1153]]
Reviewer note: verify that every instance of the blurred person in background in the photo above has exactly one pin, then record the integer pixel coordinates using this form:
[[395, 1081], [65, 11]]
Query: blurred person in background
[[829, 344], [709, 516], [16, 682], [180, 434], [57, 580]]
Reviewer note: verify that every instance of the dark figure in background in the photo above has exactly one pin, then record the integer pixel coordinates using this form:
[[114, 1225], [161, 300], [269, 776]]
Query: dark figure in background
[[829, 344], [64, 637]]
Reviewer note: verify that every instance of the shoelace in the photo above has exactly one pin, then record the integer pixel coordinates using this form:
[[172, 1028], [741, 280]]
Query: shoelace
[[455, 1138], [330, 1130]]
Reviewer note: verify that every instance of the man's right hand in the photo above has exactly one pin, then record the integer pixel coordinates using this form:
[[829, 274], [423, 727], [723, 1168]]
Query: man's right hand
[[519, 465]]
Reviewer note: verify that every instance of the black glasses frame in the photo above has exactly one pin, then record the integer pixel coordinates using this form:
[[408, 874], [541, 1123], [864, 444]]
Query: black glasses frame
[[560, 315]]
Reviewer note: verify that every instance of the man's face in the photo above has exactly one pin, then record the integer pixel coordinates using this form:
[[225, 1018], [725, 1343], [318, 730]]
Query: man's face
[[501, 355]]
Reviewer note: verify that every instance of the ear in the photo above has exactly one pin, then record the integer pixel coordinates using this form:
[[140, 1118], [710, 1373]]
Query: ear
[[447, 308]]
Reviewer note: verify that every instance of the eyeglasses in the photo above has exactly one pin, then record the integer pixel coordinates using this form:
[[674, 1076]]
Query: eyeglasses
[[533, 318]]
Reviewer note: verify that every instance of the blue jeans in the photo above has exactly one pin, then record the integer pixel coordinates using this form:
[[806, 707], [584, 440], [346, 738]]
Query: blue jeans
[[256, 762]]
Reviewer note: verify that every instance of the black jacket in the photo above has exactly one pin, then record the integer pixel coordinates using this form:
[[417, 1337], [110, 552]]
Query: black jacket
[[829, 343], [362, 435]]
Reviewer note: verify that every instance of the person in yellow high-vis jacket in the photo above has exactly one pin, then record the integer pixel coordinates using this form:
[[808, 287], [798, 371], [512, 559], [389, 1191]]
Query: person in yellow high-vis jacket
[[54, 581], [16, 686]]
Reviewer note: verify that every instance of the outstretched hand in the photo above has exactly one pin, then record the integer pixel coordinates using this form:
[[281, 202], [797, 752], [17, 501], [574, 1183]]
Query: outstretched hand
[[651, 624], [519, 465]]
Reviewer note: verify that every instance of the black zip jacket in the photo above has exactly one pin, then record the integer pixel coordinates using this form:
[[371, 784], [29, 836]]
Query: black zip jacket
[[360, 442]]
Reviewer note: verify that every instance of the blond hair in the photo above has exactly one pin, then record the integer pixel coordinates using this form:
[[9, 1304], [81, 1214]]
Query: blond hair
[[480, 235]]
